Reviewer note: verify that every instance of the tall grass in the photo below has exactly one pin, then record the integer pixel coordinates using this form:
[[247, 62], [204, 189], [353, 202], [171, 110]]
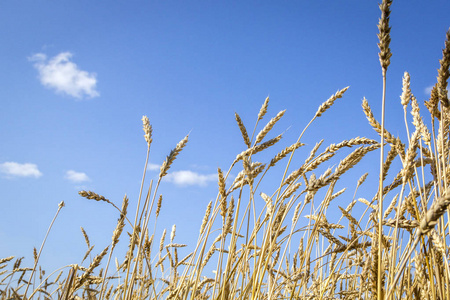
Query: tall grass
[[286, 248]]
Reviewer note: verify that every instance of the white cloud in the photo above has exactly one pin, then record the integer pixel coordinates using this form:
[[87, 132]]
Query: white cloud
[[13, 169], [76, 176], [153, 167], [61, 74], [186, 177], [428, 90]]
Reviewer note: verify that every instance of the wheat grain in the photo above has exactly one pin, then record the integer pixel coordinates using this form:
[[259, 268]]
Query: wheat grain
[[86, 237], [443, 72], [161, 243], [147, 130], [284, 152], [432, 103], [121, 222], [369, 204], [243, 130], [406, 89], [268, 127], [390, 207], [257, 148], [375, 125], [263, 110], [384, 35], [172, 233], [158, 206], [93, 196], [327, 104], [430, 218], [206, 217], [172, 156], [95, 263], [401, 223], [349, 216], [290, 190]]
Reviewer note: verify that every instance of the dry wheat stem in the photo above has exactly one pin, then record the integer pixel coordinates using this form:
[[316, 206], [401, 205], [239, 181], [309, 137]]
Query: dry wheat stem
[[427, 223], [115, 239], [60, 205], [385, 55], [321, 110]]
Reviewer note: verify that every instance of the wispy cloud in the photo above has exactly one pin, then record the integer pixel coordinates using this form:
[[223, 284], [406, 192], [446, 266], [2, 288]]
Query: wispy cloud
[[64, 76], [14, 169], [428, 90], [76, 176], [153, 167], [187, 178]]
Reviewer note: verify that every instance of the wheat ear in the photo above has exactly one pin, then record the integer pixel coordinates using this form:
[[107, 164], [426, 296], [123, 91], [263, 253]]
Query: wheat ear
[[268, 127], [427, 223], [171, 157], [327, 104], [443, 72]]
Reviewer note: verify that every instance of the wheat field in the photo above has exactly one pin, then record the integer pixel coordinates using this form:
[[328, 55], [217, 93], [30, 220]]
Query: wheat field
[[394, 247]]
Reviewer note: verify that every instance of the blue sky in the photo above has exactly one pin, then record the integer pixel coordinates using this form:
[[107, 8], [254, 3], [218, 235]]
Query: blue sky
[[77, 76]]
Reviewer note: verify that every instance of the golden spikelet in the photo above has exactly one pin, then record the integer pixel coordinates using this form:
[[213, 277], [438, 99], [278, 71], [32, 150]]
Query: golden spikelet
[[86, 237], [93, 196], [147, 130], [268, 127], [221, 183], [206, 217], [6, 259], [172, 233], [350, 143], [406, 89], [327, 104], [243, 130], [432, 103], [161, 243], [229, 219], [437, 209], [384, 35], [290, 190], [285, 152], [121, 222], [171, 157], [175, 245], [257, 148], [443, 72], [263, 109], [390, 207], [401, 223], [158, 206], [362, 179], [374, 123], [269, 204], [95, 263], [349, 216], [392, 154], [296, 212]]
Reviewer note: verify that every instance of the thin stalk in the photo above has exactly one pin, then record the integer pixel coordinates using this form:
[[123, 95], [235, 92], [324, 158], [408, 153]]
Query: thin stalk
[[380, 192], [60, 205], [135, 219]]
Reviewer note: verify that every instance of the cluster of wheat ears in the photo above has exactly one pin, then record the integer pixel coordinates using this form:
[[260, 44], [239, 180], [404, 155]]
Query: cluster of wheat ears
[[400, 252]]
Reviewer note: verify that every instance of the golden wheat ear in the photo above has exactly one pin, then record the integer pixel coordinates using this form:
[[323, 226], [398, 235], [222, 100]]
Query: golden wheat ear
[[443, 72], [172, 156]]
